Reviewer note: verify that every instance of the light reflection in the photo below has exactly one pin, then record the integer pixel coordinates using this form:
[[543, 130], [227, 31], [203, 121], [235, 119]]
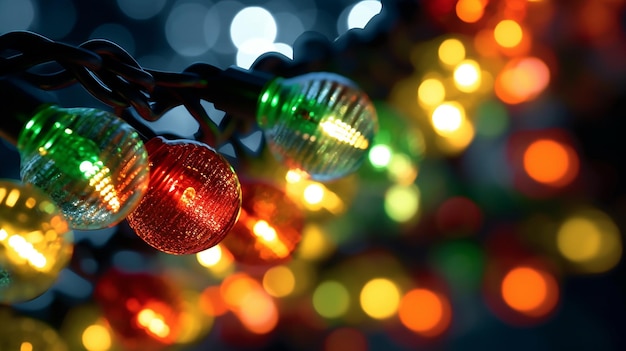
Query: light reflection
[[343, 132]]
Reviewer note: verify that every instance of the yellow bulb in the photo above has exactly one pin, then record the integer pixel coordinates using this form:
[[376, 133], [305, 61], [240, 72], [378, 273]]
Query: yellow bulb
[[35, 242]]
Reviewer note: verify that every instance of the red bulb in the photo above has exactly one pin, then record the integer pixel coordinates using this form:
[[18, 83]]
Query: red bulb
[[269, 227], [193, 199], [144, 310]]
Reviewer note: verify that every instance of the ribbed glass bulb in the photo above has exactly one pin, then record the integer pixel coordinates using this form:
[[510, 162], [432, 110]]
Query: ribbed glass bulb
[[35, 242], [193, 200], [92, 164], [319, 123]]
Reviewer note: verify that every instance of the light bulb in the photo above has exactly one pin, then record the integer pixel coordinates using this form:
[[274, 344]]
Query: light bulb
[[269, 227], [92, 164], [25, 333], [319, 123], [193, 200], [35, 242], [144, 310]]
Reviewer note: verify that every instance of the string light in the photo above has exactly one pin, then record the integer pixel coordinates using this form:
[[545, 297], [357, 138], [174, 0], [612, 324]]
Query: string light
[[144, 310], [35, 242], [319, 123], [269, 227], [448, 97], [193, 200], [90, 162]]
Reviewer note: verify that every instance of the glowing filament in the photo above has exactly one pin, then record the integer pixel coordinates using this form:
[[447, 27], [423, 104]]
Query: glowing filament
[[26, 251], [344, 133], [14, 195], [269, 237], [100, 178], [188, 196], [153, 322]]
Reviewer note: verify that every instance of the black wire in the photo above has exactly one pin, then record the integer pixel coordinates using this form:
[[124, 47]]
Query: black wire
[[108, 73]]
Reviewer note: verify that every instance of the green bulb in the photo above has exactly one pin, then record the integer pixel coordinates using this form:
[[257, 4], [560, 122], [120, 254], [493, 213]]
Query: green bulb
[[319, 123], [90, 162]]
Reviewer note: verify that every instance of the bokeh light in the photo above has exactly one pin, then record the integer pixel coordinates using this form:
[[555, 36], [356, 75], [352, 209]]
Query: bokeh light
[[590, 240], [362, 12], [508, 33], [425, 312], [16, 15], [279, 281], [258, 312], [551, 162], [380, 298], [467, 76], [451, 52], [331, 299], [470, 11], [254, 24], [184, 29], [521, 80], [431, 92], [448, 118], [402, 202], [530, 291]]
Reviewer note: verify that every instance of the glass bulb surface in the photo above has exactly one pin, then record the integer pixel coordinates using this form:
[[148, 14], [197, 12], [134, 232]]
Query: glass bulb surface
[[193, 200], [35, 242], [319, 123], [92, 164]]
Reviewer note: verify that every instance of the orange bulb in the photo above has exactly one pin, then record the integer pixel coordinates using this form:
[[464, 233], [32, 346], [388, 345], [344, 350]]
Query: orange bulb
[[269, 227]]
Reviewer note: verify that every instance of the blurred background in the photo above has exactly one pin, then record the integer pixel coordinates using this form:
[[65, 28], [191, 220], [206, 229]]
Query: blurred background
[[488, 215]]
